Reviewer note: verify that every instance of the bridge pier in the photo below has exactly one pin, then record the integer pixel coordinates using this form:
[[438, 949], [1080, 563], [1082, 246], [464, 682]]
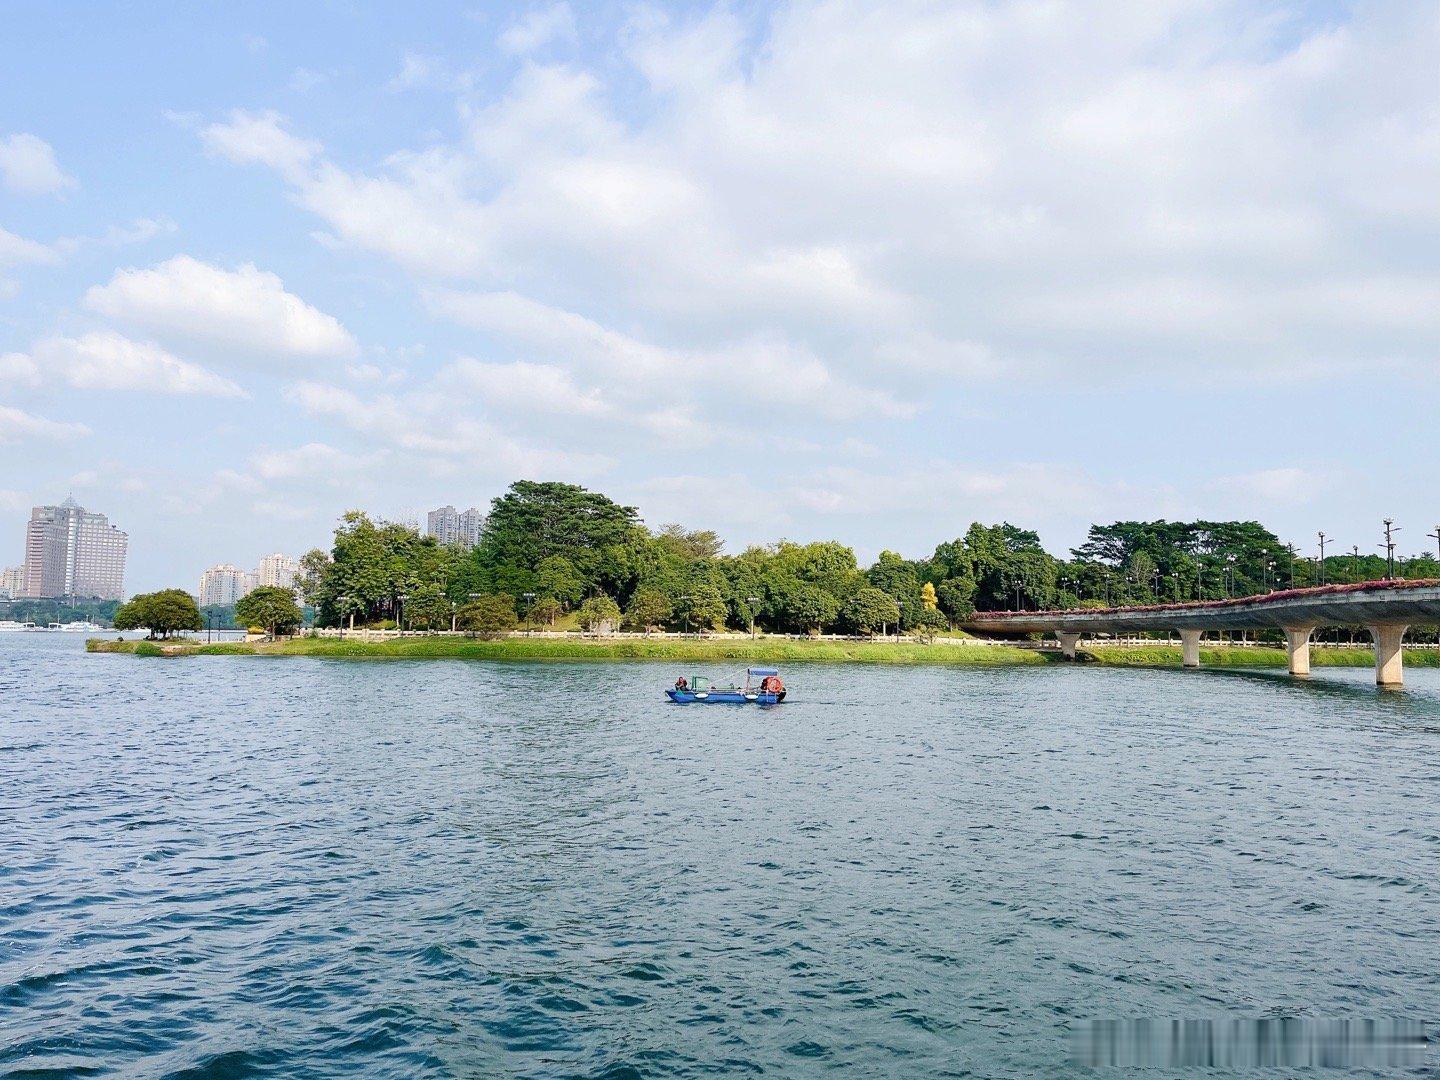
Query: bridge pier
[[1389, 662], [1190, 647], [1068, 644], [1297, 645]]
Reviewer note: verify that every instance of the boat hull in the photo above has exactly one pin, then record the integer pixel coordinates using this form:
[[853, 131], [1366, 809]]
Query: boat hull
[[724, 697]]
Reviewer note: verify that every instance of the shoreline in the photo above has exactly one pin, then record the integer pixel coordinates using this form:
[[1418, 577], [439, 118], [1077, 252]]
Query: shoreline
[[746, 650]]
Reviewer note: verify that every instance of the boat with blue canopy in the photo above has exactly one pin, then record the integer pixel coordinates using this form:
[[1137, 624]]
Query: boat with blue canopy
[[763, 686]]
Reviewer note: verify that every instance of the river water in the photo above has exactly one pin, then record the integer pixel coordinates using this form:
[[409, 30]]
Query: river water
[[247, 866]]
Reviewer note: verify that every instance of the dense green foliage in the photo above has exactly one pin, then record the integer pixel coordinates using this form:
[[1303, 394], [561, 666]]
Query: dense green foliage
[[552, 548], [487, 615], [162, 613], [271, 607], [45, 612]]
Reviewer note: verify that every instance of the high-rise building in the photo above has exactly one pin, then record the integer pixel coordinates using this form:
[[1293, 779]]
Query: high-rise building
[[12, 580], [278, 570], [72, 552], [223, 584], [451, 527]]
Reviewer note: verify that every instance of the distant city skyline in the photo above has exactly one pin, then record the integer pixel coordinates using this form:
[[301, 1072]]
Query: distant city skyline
[[225, 583], [1051, 264]]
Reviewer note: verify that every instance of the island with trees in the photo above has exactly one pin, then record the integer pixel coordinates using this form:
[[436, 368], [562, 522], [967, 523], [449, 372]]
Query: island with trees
[[557, 556]]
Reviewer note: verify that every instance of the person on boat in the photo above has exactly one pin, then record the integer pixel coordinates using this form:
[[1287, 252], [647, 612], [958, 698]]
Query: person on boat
[[771, 684], [682, 683]]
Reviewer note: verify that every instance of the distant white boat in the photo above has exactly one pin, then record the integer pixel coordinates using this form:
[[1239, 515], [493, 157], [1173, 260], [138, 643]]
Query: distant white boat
[[81, 627], [10, 626]]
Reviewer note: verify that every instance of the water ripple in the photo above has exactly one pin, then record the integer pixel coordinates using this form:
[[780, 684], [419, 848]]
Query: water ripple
[[242, 867]]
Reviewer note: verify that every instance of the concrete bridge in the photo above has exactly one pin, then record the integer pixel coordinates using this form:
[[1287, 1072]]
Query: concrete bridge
[[1386, 608]]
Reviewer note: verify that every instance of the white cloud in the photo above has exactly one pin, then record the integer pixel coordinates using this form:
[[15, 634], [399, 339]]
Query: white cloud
[[417, 69], [105, 360], [19, 369], [433, 426], [16, 249], [1266, 488], [139, 231], [950, 189], [259, 139], [312, 461], [246, 312], [16, 425], [538, 28], [28, 166], [772, 371], [520, 385]]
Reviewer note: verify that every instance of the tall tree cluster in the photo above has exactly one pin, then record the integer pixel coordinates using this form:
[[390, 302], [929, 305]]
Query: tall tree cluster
[[550, 548]]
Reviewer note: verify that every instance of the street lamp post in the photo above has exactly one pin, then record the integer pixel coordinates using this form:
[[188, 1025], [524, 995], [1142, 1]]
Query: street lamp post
[[1322, 558], [686, 601], [400, 599], [529, 599], [1355, 562], [1390, 530], [899, 612], [750, 602], [344, 602]]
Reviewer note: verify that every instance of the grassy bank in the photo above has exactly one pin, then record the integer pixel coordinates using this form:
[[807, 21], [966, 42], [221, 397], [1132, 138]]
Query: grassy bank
[[428, 648], [759, 651]]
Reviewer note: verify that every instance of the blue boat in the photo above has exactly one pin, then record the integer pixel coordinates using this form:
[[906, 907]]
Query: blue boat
[[769, 690]]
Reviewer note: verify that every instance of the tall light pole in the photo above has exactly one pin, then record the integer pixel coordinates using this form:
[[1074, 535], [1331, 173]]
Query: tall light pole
[[899, 613], [344, 602], [529, 599], [1355, 562], [400, 599], [1390, 530], [1291, 548], [750, 602], [686, 601], [1322, 558]]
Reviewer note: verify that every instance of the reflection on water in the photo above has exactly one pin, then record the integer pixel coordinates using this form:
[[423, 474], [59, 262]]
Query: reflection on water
[[257, 866]]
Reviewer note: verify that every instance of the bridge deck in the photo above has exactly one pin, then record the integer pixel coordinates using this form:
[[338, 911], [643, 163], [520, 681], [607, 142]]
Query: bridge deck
[[1370, 603]]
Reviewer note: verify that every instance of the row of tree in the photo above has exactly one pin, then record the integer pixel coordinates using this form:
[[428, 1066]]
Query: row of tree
[[172, 611], [552, 548]]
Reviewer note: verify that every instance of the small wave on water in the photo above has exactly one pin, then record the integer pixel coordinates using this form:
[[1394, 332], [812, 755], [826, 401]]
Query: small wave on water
[[239, 867]]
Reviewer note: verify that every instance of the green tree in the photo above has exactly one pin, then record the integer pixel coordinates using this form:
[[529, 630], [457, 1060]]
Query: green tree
[[599, 613], [534, 521], [428, 609], [956, 598], [871, 609], [700, 545], [162, 613], [928, 624], [315, 567], [488, 616], [556, 576], [811, 608], [546, 609], [648, 610], [269, 606], [703, 608]]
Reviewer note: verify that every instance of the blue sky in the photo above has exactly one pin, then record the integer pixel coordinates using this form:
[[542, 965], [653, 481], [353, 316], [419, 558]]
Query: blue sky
[[868, 272]]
